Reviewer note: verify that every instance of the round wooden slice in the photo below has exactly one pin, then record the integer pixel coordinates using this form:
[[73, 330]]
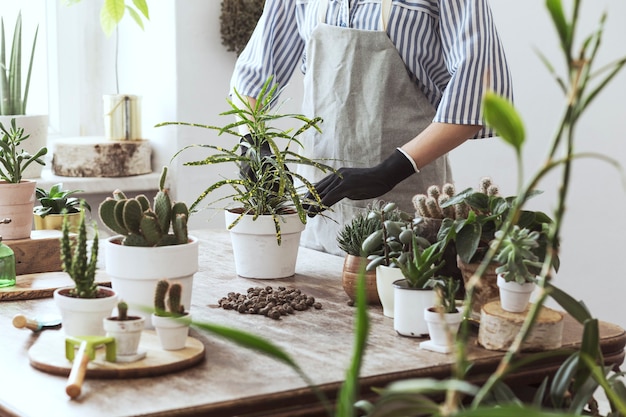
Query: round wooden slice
[[48, 355], [498, 328]]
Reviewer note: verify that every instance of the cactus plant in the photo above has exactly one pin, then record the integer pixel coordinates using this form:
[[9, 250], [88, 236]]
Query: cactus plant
[[80, 266], [167, 299], [142, 225], [122, 311]]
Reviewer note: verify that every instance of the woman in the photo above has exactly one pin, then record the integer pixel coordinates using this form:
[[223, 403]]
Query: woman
[[398, 85]]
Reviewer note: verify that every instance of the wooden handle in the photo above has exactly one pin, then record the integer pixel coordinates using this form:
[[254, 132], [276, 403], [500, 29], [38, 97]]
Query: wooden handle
[[77, 374], [20, 321]]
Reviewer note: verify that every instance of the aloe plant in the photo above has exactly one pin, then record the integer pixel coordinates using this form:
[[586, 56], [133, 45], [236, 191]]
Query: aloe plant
[[12, 99]]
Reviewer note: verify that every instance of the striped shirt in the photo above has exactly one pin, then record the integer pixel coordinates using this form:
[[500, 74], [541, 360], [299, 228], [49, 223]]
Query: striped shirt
[[451, 49]]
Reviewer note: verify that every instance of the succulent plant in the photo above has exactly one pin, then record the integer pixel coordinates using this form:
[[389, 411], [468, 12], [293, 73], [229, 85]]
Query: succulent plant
[[142, 225], [352, 235], [167, 299], [80, 266], [516, 256]]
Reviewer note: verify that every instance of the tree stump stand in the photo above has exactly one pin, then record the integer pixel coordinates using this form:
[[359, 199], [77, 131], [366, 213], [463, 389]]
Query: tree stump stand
[[498, 328]]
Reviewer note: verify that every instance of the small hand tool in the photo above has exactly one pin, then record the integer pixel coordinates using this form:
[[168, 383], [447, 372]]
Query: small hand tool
[[20, 321], [86, 352]]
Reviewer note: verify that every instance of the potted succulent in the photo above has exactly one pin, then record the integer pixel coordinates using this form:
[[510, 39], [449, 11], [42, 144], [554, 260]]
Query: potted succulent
[[126, 330], [54, 204], [147, 238], [350, 240], [14, 95], [443, 318], [414, 293], [383, 246], [170, 319], [269, 208], [17, 198], [85, 305], [519, 267]]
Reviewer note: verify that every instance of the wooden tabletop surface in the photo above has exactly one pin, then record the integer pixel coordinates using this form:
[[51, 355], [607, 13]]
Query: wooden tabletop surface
[[235, 381]]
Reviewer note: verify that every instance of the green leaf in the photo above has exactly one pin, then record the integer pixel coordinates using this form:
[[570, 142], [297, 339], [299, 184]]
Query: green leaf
[[111, 14], [576, 309], [560, 23], [502, 116], [142, 6]]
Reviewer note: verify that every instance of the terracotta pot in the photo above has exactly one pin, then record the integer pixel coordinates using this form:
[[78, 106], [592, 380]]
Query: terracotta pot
[[486, 289], [16, 203], [349, 277], [255, 249], [83, 316]]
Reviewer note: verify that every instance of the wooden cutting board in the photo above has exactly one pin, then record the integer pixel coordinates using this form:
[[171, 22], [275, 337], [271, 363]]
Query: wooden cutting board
[[42, 285], [48, 355]]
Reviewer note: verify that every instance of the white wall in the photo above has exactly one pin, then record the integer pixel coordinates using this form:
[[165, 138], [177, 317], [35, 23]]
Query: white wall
[[188, 81]]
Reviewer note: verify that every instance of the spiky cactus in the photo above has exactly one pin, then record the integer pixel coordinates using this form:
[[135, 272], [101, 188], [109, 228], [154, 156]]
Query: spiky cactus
[[163, 224], [75, 261], [167, 299], [122, 311]]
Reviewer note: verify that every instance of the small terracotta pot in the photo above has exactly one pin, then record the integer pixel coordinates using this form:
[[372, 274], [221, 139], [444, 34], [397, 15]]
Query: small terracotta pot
[[352, 266]]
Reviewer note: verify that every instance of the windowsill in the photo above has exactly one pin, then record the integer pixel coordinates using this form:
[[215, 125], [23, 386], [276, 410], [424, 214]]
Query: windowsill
[[99, 185]]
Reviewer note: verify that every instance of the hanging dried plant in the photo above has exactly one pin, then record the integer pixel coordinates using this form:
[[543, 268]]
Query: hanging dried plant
[[238, 19]]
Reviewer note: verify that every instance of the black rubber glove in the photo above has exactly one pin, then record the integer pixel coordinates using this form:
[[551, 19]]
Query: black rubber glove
[[362, 183]]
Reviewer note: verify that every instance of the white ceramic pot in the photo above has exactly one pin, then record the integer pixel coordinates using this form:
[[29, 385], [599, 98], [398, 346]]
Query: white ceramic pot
[[255, 249], [440, 325], [514, 297], [409, 305], [385, 277], [16, 203], [127, 333], [36, 126], [135, 271], [83, 316], [172, 332]]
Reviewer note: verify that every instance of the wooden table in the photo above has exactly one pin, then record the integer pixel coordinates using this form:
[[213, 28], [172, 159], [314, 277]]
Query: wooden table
[[235, 381]]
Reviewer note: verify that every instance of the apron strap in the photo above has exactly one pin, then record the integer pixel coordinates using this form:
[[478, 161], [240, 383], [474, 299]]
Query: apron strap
[[385, 12], [321, 10]]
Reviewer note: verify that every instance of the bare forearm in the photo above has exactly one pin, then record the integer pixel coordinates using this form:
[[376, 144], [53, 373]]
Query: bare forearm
[[437, 140]]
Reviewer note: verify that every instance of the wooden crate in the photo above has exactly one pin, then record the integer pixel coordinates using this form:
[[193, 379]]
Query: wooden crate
[[40, 253]]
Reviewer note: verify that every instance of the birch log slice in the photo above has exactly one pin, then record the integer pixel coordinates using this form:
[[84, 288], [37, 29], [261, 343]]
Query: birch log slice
[[498, 328], [97, 157]]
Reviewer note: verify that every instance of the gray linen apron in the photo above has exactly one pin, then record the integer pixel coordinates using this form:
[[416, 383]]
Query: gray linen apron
[[358, 84]]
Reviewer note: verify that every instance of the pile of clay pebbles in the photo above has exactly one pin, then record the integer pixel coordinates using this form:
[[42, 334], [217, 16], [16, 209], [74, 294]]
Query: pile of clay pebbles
[[269, 302]]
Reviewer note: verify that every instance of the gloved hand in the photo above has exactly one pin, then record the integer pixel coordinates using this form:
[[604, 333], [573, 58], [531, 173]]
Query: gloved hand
[[362, 183]]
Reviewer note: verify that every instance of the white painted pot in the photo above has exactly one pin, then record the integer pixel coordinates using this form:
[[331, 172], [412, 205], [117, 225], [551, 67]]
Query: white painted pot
[[514, 297], [127, 334], [255, 249], [36, 126], [385, 277], [409, 305], [439, 325], [16, 203], [83, 316], [172, 332], [135, 271]]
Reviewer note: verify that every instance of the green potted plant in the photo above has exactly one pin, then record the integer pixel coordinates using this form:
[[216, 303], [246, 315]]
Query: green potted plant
[[146, 239], [269, 208], [350, 240], [170, 319], [443, 318], [383, 246], [519, 267], [126, 330], [56, 202], [84, 305], [18, 195], [413, 293], [14, 94]]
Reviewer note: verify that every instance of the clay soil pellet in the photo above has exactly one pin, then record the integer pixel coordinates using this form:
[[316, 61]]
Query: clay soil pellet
[[270, 302]]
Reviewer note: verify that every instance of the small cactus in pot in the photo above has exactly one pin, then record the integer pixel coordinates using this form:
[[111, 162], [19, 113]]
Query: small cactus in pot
[[170, 319], [167, 299], [163, 224]]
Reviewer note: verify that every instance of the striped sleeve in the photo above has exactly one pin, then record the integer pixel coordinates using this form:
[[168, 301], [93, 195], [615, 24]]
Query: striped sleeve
[[475, 60], [274, 49]]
